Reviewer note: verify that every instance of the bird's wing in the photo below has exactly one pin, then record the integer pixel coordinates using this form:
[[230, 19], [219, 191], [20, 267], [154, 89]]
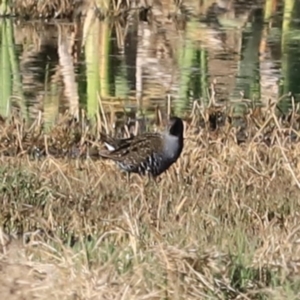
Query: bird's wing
[[114, 143], [136, 150]]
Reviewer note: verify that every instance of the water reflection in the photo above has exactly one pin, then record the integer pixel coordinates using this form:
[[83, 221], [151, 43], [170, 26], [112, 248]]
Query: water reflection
[[131, 66]]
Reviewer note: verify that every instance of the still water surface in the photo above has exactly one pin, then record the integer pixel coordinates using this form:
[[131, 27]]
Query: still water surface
[[239, 56]]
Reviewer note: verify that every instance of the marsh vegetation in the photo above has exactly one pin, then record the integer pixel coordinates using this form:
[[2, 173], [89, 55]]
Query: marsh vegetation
[[221, 223]]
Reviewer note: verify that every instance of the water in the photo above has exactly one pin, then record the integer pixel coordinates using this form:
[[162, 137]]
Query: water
[[134, 67]]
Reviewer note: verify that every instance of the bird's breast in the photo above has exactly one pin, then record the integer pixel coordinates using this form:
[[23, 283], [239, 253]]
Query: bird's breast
[[171, 147]]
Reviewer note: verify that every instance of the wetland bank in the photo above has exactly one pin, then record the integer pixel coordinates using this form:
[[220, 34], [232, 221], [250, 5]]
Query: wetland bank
[[224, 222]]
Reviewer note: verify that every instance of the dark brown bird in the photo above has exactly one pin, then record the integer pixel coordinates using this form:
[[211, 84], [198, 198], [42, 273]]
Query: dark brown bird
[[148, 153]]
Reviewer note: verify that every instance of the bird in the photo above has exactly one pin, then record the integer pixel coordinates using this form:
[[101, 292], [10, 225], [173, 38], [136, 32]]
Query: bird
[[150, 153]]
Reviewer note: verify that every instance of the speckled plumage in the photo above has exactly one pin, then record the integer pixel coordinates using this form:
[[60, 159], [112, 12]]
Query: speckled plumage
[[151, 153]]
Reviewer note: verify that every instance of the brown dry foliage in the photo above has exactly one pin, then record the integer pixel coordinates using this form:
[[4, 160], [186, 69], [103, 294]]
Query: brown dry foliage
[[223, 223], [35, 9]]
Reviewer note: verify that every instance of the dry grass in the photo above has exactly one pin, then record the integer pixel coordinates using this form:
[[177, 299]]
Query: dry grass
[[34, 9], [223, 224], [62, 9]]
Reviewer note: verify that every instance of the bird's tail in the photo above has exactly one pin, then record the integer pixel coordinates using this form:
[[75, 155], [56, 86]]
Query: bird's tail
[[109, 142]]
